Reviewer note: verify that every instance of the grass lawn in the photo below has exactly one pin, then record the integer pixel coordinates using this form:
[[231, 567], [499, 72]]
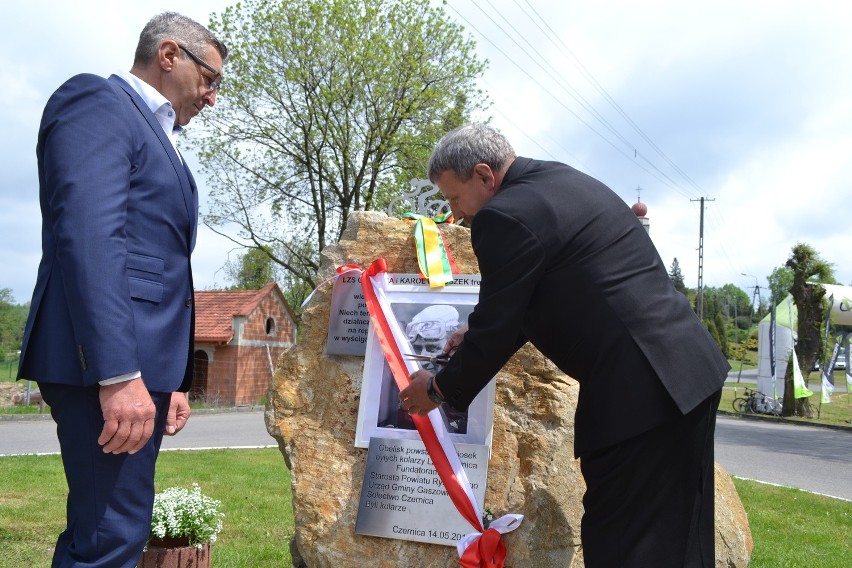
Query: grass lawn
[[795, 529], [253, 485], [836, 413], [790, 528], [8, 369]]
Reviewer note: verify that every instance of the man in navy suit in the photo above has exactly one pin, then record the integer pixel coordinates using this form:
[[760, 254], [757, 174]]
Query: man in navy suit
[[110, 331], [567, 266]]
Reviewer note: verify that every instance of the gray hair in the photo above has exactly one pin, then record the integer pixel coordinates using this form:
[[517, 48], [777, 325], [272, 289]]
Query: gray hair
[[460, 149], [174, 26]]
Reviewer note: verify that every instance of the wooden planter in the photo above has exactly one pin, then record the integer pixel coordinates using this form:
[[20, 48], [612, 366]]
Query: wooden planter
[[174, 553]]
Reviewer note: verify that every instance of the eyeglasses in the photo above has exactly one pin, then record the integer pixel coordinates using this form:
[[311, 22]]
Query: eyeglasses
[[430, 330], [217, 77]]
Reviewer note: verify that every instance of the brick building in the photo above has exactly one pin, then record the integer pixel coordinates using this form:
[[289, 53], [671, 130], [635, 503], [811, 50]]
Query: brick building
[[239, 335]]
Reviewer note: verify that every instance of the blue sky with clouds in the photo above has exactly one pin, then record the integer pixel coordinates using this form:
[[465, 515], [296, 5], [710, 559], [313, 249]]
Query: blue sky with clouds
[[747, 103]]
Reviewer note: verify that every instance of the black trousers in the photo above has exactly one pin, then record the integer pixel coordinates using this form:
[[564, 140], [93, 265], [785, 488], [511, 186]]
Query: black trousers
[[649, 500]]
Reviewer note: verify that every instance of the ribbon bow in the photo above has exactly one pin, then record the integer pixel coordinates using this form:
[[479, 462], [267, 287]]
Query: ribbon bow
[[433, 255], [486, 549]]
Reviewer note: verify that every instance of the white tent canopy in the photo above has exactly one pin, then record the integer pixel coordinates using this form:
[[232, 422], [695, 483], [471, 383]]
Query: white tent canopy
[[786, 318], [786, 315], [841, 306]]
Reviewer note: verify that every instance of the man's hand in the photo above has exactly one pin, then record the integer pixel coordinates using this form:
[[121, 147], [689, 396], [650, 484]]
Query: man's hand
[[456, 339], [128, 417], [413, 398], [178, 413]]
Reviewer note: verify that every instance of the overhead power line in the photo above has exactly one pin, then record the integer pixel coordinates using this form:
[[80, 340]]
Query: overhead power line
[[627, 149], [513, 45], [560, 44]]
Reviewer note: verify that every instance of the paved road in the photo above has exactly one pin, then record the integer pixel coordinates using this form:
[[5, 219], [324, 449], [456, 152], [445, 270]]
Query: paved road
[[749, 376], [204, 430], [810, 458], [222, 430]]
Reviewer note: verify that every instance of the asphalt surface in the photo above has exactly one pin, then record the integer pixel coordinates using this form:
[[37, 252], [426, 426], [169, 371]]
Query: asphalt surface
[[815, 459], [239, 428], [749, 377]]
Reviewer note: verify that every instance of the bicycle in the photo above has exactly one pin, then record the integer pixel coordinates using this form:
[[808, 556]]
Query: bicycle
[[757, 403]]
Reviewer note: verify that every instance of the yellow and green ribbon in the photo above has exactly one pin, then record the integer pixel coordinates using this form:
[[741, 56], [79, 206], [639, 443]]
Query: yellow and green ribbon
[[432, 257]]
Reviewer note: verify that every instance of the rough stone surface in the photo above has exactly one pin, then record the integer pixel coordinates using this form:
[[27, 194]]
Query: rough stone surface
[[312, 412], [733, 537]]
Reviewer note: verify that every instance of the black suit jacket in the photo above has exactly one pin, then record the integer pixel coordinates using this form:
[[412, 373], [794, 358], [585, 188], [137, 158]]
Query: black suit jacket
[[566, 265]]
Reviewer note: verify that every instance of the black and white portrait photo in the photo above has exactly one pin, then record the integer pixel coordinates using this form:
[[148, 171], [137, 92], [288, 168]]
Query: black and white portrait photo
[[427, 331], [426, 317]]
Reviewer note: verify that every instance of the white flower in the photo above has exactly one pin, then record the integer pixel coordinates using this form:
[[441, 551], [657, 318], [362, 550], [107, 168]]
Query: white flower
[[180, 512]]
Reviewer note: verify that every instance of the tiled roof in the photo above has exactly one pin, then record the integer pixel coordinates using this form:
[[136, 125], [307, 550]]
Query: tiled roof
[[215, 311]]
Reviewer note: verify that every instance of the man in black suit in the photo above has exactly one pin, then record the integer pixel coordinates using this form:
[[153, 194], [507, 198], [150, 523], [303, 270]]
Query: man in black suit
[[566, 265]]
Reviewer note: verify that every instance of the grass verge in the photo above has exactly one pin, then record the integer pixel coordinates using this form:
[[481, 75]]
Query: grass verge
[[253, 485], [790, 528], [8, 369], [837, 413]]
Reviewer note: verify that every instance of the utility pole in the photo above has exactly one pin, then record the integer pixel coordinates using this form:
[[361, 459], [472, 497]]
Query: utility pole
[[699, 293], [755, 296]]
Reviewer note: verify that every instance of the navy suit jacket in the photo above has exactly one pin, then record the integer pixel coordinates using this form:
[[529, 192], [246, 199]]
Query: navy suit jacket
[[119, 216], [567, 266]]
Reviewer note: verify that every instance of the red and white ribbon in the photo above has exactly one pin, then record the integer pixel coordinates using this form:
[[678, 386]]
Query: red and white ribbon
[[482, 548], [341, 270]]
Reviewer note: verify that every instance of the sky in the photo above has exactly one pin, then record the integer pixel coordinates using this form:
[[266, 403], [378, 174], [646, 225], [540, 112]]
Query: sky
[[746, 103]]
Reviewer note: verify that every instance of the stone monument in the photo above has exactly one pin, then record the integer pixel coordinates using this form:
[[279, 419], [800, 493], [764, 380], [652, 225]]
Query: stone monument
[[312, 412]]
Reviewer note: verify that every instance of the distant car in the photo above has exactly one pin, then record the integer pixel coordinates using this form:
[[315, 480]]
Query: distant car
[[839, 364], [841, 359]]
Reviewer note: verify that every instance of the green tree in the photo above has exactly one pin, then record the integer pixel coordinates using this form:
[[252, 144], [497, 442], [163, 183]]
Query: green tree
[[780, 282], [13, 318], [714, 317], [721, 328], [717, 336], [738, 301], [737, 310], [327, 108], [677, 277], [254, 270], [806, 265]]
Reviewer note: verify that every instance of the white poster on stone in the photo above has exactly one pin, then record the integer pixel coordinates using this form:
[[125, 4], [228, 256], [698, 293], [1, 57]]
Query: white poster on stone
[[427, 316], [402, 496]]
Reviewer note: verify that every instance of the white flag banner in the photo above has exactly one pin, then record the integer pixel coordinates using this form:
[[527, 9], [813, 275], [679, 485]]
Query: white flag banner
[[799, 388], [827, 389]]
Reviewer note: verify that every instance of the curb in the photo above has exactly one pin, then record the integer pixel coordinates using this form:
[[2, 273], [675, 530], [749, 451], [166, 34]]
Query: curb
[[782, 420], [197, 411], [24, 417]]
